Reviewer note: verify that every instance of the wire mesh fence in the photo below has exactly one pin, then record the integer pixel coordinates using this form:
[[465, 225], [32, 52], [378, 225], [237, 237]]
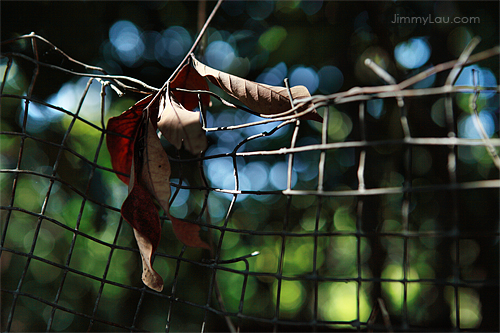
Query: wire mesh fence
[[384, 217]]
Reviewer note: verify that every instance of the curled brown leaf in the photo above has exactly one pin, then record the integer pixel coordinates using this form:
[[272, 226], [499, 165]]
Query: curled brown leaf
[[261, 98]]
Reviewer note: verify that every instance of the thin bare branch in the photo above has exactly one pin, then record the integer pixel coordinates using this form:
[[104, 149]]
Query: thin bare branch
[[384, 75], [188, 55]]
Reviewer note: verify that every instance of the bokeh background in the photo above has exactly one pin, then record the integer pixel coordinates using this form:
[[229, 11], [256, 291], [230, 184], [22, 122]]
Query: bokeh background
[[319, 44]]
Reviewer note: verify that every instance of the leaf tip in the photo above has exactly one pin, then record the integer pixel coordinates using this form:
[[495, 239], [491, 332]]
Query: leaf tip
[[152, 279]]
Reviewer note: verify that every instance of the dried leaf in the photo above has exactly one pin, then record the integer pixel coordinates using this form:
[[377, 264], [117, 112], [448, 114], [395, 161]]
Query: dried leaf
[[139, 210], [179, 125], [188, 78], [188, 233], [121, 148], [155, 173], [261, 98], [149, 276]]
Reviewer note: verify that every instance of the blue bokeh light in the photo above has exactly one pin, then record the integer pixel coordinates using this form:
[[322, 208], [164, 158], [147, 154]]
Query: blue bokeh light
[[39, 117], [126, 39], [173, 46], [330, 79], [306, 163], [279, 174], [220, 173], [220, 55], [216, 208], [218, 170], [413, 53], [258, 173], [375, 108], [182, 196], [228, 140], [484, 78], [468, 128], [274, 76], [425, 83], [267, 127], [305, 76]]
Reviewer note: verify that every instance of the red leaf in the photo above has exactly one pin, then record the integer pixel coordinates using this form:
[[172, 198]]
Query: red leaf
[[120, 148], [188, 78], [188, 233], [139, 210]]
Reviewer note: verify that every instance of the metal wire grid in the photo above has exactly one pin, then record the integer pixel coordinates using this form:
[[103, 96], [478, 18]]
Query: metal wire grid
[[210, 309]]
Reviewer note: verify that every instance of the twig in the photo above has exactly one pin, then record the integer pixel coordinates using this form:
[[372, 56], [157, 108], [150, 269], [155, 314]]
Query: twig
[[55, 48], [202, 14], [341, 97], [105, 75], [384, 75], [287, 85], [188, 55], [113, 78], [457, 68]]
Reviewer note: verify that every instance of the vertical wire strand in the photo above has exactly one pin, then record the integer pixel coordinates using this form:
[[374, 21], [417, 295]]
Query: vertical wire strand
[[34, 77], [173, 292], [84, 200], [118, 229], [281, 258], [105, 274], [452, 169], [452, 163], [9, 212], [321, 170], [405, 210], [359, 209], [216, 260]]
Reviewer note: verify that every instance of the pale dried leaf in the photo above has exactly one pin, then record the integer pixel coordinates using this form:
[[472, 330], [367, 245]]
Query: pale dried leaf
[[155, 174], [179, 125], [261, 98], [149, 276]]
